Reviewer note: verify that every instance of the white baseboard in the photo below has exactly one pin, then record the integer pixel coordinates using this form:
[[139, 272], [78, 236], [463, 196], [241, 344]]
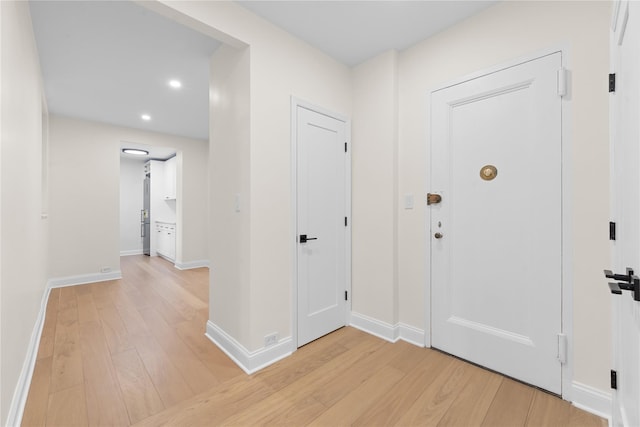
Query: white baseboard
[[374, 327], [82, 279], [192, 264], [592, 400], [16, 410], [386, 331], [131, 252], [249, 361], [411, 334]]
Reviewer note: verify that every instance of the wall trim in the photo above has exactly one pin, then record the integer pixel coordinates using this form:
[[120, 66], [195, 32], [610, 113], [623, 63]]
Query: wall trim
[[131, 252], [21, 392], [82, 279], [386, 331], [249, 361], [411, 334], [192, 264], [592, 400]]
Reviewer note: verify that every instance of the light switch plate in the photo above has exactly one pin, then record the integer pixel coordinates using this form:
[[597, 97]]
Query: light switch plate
[[408, 201]]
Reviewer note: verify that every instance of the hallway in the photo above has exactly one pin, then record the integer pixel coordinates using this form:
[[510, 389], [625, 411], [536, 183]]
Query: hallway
[[133, 351]]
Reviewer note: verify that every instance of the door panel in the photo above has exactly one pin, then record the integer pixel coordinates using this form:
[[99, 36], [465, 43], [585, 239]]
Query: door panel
[[321, 209], [496, 271], [625, 109]]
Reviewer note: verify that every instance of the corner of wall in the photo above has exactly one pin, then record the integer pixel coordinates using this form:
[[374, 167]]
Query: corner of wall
[[249, 361]]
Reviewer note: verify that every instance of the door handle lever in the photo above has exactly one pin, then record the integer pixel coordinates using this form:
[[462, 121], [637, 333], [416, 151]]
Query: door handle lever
[[304, 238], [625, 277], [629, 283]]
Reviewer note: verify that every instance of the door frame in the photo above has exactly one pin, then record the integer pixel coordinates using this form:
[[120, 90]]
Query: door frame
[[567, 209], [293, 238]]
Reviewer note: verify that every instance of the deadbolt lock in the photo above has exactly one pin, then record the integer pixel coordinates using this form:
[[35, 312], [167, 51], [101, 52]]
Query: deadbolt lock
[[433, 199]]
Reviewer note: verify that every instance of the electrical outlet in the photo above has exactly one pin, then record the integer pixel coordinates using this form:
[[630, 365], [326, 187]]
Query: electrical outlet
[[105, 269], [270, 340]]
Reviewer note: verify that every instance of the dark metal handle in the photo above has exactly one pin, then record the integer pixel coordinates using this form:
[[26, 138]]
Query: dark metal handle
[[304, 238], [630, 283], [625, 277]]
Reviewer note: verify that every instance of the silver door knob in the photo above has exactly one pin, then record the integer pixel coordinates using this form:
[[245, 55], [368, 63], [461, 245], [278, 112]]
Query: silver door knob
[[438, 235]]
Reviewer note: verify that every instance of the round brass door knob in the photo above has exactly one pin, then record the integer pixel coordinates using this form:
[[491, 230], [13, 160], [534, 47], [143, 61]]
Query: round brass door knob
[[438, 235]]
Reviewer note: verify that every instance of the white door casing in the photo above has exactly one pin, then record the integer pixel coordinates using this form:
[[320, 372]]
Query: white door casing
[[496, 272], [322, 205], [625, 189]]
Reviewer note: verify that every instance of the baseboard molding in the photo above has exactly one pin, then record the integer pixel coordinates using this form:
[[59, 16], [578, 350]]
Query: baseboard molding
[[374, 327], [592, 400], [249, 361], [192, 264], [16, 410], [132, 252], [386, 331], [411, 334], [82, 279]]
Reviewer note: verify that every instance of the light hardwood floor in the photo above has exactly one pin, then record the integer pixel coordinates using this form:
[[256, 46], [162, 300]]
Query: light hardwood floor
[[133, 351]]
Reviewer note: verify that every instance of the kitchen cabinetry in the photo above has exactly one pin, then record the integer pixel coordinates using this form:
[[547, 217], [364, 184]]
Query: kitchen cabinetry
[[170, 174], [166, 240]]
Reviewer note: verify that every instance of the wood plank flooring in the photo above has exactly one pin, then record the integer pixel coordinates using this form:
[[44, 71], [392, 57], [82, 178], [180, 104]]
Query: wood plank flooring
[[133, 352]]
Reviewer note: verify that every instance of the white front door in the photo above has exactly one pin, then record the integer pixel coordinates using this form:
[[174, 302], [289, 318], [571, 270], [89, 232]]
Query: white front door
[[496, 235], [625, 172], [321, 237]]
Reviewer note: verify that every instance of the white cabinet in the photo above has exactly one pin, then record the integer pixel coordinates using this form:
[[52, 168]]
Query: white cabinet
[[166, 240], [170, 174]]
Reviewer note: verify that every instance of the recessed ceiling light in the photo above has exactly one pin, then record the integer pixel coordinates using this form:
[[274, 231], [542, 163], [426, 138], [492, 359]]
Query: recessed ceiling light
[[145, 117], [176, 84], [135, 151]]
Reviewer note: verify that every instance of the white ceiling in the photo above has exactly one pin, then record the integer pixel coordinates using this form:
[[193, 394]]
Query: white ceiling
[[110, 61], [354, 31]]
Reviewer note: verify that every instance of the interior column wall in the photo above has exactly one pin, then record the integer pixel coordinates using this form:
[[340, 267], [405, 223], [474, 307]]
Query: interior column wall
[[229, 193], [281, 66]]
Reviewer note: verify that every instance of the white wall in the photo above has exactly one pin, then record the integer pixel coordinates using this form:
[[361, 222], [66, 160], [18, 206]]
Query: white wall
[[84, 192], [23, 256], [229, 293], [131, 202], [375, 187], [280, 66], [502, 33]]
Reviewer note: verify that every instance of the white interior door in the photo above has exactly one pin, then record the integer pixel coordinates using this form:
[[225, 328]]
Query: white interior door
[[321, 225], [625, 126], [496, 239]]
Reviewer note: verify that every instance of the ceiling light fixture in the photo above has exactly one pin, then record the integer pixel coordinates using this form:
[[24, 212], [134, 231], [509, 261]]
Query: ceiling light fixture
[[176, 84], [145, 117], [135, 151]]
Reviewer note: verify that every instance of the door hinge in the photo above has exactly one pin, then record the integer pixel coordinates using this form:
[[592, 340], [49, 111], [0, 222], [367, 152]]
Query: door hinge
[[612, 230], [614, 380], [345, 221], [562, 81], [562, 348], [346, 295], [345, 147], [612, 82]]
